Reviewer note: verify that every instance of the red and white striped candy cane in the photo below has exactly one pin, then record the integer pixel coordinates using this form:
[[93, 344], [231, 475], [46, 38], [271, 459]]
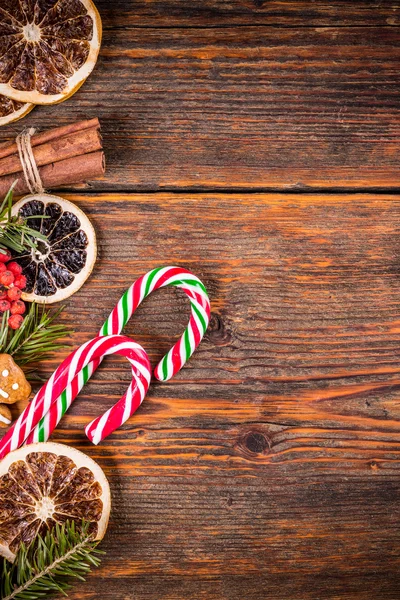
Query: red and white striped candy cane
[[57, 410], [119, 317], [62, 377]]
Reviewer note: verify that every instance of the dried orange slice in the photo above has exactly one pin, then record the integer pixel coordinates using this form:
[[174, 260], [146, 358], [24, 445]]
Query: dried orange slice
[[11, 110], [47, 48], [47, 483], [61, 265]]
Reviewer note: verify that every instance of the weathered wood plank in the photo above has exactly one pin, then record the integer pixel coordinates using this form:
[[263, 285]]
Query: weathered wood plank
[[271, 461], [243, 108], [218, 13]]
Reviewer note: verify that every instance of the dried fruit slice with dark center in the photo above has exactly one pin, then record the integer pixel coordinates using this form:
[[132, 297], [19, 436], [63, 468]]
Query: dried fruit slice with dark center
[[47, 483], [61, 265], [47, 48], [11, 110]]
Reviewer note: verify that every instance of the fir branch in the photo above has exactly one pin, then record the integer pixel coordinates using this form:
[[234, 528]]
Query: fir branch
[[15, 232], [35, 339], [45, 566]]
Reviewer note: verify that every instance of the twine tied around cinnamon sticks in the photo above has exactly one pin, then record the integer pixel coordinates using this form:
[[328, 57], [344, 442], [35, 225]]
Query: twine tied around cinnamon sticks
[[58, 157], [28, 162]]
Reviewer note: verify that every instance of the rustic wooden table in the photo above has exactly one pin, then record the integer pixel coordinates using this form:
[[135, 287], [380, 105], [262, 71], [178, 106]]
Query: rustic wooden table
[[256, 143]]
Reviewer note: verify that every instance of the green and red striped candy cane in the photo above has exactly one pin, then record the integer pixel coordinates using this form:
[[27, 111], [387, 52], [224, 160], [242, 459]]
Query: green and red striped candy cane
[[180, 353], [172, 362]]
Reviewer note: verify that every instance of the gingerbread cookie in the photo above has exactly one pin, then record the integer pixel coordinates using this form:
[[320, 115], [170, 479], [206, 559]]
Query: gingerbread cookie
[[13, 384], [5, 416]]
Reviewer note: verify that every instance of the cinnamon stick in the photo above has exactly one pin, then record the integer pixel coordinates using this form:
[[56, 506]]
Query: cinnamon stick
[[56, 150], [52, 134], [65, 172]]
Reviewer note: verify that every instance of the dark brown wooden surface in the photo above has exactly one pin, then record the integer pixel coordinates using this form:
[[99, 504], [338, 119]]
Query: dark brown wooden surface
[[269, 467], [260, 107], [218, 13]]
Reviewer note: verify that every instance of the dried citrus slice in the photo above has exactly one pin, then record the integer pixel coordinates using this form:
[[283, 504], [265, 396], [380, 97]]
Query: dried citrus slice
[[11, 110], [47, 48], [44, 484], [60, 265]]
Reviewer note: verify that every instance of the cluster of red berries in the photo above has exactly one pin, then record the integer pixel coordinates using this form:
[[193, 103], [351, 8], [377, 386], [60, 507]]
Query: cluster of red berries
[[12, 282]]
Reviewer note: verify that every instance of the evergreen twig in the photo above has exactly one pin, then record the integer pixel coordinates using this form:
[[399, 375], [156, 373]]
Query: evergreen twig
[[48, 563], [36, 337], [15, 232]]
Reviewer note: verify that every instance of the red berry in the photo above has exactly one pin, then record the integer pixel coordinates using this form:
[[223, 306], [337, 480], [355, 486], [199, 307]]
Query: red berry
[[18, 307], [2, 267], [19, 282], [5, 255], [4, 305], [6, 278], [15, 321], [13, 293], [4, 294], [15, 268]]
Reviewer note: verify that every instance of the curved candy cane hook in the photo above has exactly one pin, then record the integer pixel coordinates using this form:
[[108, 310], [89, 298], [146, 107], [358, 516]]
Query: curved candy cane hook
[[199, 320], [97, 348], [119, 317]]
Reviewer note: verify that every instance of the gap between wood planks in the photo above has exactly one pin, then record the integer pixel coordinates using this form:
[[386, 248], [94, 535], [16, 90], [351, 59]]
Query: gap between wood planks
[[89, 191], [244, 26]]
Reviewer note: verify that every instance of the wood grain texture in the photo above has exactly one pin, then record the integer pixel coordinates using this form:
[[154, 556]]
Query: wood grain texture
[[225, 13], [242, 107], [269, 467]]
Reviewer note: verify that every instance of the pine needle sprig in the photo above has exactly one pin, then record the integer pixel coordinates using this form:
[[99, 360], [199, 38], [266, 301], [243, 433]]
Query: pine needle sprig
[[36, 338], [48, 563], [15, 232]]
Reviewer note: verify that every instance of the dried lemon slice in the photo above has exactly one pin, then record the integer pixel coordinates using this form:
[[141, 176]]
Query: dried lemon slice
[[47, 48], [47, 483], [59, 266], [11, 110]]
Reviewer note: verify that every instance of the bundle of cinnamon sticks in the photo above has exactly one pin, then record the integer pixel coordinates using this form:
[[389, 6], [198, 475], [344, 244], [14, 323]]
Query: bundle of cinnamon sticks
[[65, 155]]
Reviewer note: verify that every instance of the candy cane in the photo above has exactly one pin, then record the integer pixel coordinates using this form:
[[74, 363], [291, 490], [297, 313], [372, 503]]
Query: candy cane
[[62, 377], [119, 317], [57, 410], [180, 353]]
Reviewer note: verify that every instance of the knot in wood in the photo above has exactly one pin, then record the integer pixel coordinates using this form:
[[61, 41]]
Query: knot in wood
[[256, 443], [217, 332]]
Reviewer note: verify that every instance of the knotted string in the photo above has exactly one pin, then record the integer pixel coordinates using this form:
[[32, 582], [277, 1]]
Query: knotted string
[[28, 162]]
